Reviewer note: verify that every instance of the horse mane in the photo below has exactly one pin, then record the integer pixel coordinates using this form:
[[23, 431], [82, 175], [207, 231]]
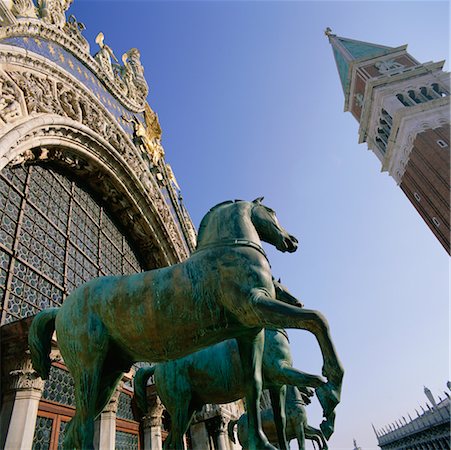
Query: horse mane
[[207, 217]]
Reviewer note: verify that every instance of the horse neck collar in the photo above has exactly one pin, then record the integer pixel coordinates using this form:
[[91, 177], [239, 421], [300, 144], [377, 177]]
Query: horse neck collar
[[232, 243]]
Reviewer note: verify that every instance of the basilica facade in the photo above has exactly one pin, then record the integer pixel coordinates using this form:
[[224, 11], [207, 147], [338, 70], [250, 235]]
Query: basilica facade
[[85, 191]]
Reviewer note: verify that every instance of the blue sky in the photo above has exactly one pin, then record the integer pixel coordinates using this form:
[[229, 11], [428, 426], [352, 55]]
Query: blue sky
[[250, 104]]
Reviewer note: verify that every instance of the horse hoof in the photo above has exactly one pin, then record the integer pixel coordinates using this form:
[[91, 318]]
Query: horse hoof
[[329, 398], [327, 426]]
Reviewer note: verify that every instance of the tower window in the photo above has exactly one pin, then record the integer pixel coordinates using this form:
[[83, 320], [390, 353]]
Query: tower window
[[439, 90], [436, 222], [417, 196], [441, 143]]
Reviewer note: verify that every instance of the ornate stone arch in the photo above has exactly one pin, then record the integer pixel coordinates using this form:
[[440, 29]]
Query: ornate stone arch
[[50, 116], [73, 147]]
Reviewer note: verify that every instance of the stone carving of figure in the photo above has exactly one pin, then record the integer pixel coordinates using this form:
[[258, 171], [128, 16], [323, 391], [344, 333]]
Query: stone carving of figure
[[70, 103], [9, 105], [144, 139], [171, 176], [134, 71], [104, 55], [74, 28], [389, 66], [23, 8], [54, 11]]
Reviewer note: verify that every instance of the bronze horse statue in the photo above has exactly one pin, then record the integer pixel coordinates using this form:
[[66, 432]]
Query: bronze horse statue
[[224, 290], [296, 428], [215, 375]]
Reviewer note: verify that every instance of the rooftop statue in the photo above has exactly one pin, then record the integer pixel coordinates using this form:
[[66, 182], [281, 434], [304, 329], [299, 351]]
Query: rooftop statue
[[104, 55], [224, 290], [215, 375], [54, 11]]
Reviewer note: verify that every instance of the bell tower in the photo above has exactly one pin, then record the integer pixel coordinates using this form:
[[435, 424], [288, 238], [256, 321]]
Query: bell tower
[[403, 110]]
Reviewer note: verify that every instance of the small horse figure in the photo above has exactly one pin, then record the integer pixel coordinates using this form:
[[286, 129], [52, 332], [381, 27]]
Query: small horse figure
[[297, 426], [223, 291], [215, 375]]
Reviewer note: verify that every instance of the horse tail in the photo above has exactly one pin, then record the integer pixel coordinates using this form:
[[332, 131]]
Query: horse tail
[[140, 383], [40, 340], [230, 432]]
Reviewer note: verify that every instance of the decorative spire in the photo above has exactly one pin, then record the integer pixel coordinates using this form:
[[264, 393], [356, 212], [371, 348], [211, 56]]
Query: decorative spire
[[430, 397], [347, 51]]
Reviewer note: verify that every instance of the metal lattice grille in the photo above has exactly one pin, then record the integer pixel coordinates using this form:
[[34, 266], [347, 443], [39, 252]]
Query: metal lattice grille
[[54, 236], [42, 433], [126, 441], [61, 435], [59, 387], [124, 407]]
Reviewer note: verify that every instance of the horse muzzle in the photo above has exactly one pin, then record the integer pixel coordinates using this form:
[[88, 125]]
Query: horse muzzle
[[289, 244]]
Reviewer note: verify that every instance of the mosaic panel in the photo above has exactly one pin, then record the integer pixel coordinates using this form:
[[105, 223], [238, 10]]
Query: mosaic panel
[[124, 408], [126, 441], [42, 433], [59, 387]]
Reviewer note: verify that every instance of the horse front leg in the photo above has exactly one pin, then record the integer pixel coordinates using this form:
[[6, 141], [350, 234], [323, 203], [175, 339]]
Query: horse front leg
[[251, 355], [272, 313]]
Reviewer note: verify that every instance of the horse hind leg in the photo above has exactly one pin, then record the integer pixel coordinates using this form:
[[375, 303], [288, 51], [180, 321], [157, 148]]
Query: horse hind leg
[[278, 397], [86, 369], [180, 423]]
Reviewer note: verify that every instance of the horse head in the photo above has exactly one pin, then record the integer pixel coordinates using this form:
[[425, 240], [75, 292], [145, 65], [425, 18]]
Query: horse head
[[269, 228]]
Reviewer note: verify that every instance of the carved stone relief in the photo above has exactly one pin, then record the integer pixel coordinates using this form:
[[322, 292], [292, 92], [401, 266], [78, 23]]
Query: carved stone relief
[[10, 100], [23, 8]]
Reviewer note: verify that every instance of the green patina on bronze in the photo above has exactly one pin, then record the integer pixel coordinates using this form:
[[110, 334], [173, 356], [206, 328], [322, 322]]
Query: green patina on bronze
[[215, 375], [296, 428], [223, 291]]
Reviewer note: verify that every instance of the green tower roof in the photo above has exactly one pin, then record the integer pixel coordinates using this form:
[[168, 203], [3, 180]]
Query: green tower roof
[[348, 50]]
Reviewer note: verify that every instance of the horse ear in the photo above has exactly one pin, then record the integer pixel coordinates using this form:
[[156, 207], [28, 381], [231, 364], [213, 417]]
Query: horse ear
[[258, 200]]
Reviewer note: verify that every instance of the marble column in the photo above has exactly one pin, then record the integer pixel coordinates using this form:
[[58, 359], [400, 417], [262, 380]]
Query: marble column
[[152, 423], [105, 427], [199, 436], [217, 429], [20, 407]]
